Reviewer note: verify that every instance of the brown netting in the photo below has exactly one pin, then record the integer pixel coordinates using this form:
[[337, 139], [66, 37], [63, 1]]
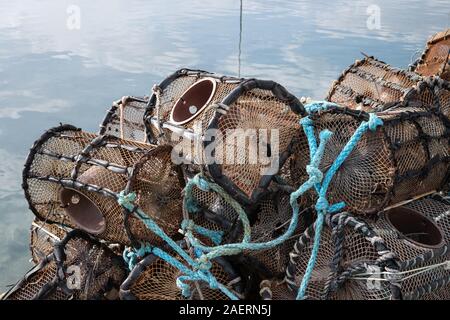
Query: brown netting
[[255, 134], [268, 221], [406, 157], [125, 119], [73, 178], [435, 58], [395, 247], [158, 118], [371, 85], [100, 273], [155, 279], [43, 236]]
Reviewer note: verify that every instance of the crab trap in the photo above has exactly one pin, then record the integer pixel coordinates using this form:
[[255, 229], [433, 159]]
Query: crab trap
[[79, 268], [402, 254], [435, 58], [125, 119], [371, 85], [406, 156], [74, 178], [237, 131]]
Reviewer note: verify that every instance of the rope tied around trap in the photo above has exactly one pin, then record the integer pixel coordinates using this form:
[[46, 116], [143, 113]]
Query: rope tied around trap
[[320, 181]]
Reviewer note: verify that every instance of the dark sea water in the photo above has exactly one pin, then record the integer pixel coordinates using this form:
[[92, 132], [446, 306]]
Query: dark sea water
[[57, 68]]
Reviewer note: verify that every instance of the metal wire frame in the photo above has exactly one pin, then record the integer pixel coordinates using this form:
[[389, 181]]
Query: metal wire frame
[[383, 251], [133, 288], [125, 119], [93, 153], [107, 273], [371, 85]]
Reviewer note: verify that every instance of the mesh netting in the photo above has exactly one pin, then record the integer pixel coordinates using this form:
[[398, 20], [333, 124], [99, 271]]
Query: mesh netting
[[253, 140], [88, 270], [435, 58], [73, 178], [365, 260], [371, 85], [269, 221], [155, 279], [125, 119], [175, 87], [43, 236], [406, 157]]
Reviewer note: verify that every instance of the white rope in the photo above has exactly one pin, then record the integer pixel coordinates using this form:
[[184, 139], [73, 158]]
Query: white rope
[[414, 272]]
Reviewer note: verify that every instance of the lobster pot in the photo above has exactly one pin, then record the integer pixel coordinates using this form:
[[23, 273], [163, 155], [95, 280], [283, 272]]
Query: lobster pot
[[403, 254], [43, 237], [276, 289], [182, 102], [73, 178], [371, 85], [88, 270], [407, 156], [125, 119], [242, 142], [435, 58], [155, 279]]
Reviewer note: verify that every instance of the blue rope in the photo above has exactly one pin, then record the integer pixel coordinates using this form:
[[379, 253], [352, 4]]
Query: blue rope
[[131, 256], [215, 236], [200, 268], [190, 203], [320, 181]]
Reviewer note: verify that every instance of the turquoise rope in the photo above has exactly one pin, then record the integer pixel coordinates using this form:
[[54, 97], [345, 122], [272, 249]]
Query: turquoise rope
[[200, 268], [215, 236], [322, 206], [235, 248], [199, 181]]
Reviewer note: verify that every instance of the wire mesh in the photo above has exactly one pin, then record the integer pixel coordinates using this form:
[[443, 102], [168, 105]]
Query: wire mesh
[[43, 237], [371, 85], [363, 259], [79, 268], [155, 279], [73, 178], [435, 58], [125, 119], [407, 156]]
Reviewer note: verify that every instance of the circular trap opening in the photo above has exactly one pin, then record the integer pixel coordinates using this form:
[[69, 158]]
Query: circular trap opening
[[415, 227], [82, 210], [193, 101]]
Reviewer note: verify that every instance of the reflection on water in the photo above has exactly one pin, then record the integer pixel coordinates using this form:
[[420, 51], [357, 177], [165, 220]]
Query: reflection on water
[[50, 73]]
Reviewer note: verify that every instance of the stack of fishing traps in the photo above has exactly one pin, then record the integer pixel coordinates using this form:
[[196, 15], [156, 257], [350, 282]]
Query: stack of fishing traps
[[216, 187]]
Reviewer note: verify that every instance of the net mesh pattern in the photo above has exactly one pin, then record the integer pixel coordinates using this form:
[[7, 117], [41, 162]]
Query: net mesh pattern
[[157, 281], [43, 236], [125, 119], [257, 127], [358, 249], [403, 158], [177, 88], [371, 85], [98, 271], [99, 180], [271, 220], [435, 58]]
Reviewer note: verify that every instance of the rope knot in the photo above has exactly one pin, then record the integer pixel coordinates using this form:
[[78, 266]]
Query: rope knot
[[126, 199], [314, 173], [156, 89], [374, 121], [203, 263], [322, 205]]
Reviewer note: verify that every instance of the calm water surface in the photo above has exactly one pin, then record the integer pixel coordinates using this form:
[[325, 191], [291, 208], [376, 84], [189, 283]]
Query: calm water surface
[[52, 73]]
